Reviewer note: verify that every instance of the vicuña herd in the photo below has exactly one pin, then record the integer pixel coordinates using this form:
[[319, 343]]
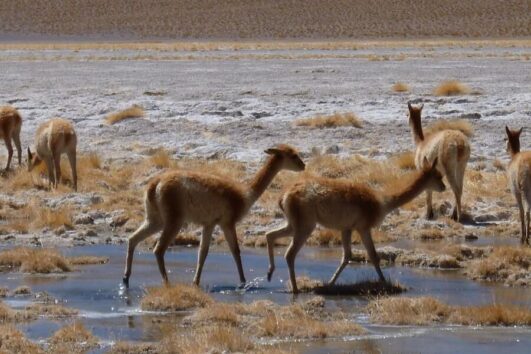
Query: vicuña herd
[[177, 197]]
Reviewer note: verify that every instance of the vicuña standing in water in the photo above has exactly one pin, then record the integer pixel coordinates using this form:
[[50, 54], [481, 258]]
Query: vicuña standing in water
[[178, 197], [344, 206], [53, 138], [10, 125], [519, 174], [452, 149]]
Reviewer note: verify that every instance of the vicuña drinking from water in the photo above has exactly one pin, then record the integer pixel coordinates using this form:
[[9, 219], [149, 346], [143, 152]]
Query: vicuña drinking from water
[[53, 138]]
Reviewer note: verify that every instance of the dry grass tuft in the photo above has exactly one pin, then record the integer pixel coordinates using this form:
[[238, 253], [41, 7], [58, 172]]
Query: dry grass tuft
[[10, 315], [363, 288], [214, 338], [331, 121], [53, 311], [176, 297], [133, 348], [91, 160], [295, 322], [507, 264], [427, 310], [400, 87], [53, 218], [134, 111], [30, 260], [74, 338], [462, 125], [14, 341], [451, 88], [160, 159], [87, 260]]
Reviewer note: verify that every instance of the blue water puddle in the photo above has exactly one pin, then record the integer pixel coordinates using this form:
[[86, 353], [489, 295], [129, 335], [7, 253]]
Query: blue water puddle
[[113, 313]]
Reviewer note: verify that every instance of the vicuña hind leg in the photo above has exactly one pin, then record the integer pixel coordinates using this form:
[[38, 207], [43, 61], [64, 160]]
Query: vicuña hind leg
[[346, 241], [528, 227], [299, 238], [366, 238], [145, 230], [9, 147], [271, 236], [16, 140], [168, 234], [456, 183], [203, 251], [522, 218]]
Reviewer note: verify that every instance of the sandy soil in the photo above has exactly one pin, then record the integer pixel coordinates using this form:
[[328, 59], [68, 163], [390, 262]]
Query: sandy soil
[[130, 19]]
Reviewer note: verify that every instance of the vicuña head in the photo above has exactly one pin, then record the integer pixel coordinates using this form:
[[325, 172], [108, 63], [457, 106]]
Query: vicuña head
[[344, 206], [33, 160], [178, 197], [452, 149], [519, 175], [513, 140]]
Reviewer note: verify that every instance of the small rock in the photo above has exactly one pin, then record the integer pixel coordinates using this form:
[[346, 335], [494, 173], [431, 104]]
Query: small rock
[[9, 237], [471, 237], [60, 230], [90, 233], [83, 219], [334, 149], [21, 291]]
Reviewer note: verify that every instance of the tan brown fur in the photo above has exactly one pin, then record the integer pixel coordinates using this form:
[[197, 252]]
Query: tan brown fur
[[177, 197], [53, 138], [519, 176], [344, 206], [10, 126], [452, 150]]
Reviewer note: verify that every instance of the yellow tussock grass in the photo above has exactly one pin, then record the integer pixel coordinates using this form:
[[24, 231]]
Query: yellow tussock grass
[[87, 260], [177, 297], [215, 338], [451, 88], [428, 310], [34, 260], [507, 264], [160, 159], [462, 125], [74, 338], [51, 311], [331, 121], [400, 87], [14, 341], [134, 111]]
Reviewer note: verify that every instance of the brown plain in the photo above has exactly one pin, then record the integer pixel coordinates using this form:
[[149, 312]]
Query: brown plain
[[242, 19]]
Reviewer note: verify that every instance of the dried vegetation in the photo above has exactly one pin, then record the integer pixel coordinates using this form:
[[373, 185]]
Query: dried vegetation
[[331, 121], [428, 310]]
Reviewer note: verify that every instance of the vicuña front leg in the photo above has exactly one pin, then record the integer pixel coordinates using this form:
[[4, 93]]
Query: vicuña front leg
[[271, 237], [203, 252], [429, 206], [347, 254], [366, 238], [232, 240], [295, 246], [144, 231], [9, 147]]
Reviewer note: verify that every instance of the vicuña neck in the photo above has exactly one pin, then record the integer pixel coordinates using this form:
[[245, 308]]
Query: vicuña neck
[[418, 135], [263, 179], [394, 200]]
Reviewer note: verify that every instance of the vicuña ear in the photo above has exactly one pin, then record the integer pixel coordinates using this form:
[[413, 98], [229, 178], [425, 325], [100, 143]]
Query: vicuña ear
[[520, 131], [409, 106], [29, 153], [508, 131], [421, 106], [272, 151]]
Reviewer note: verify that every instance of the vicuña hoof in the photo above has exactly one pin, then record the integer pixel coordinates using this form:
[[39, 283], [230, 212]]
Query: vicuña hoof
[[125, 280]]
